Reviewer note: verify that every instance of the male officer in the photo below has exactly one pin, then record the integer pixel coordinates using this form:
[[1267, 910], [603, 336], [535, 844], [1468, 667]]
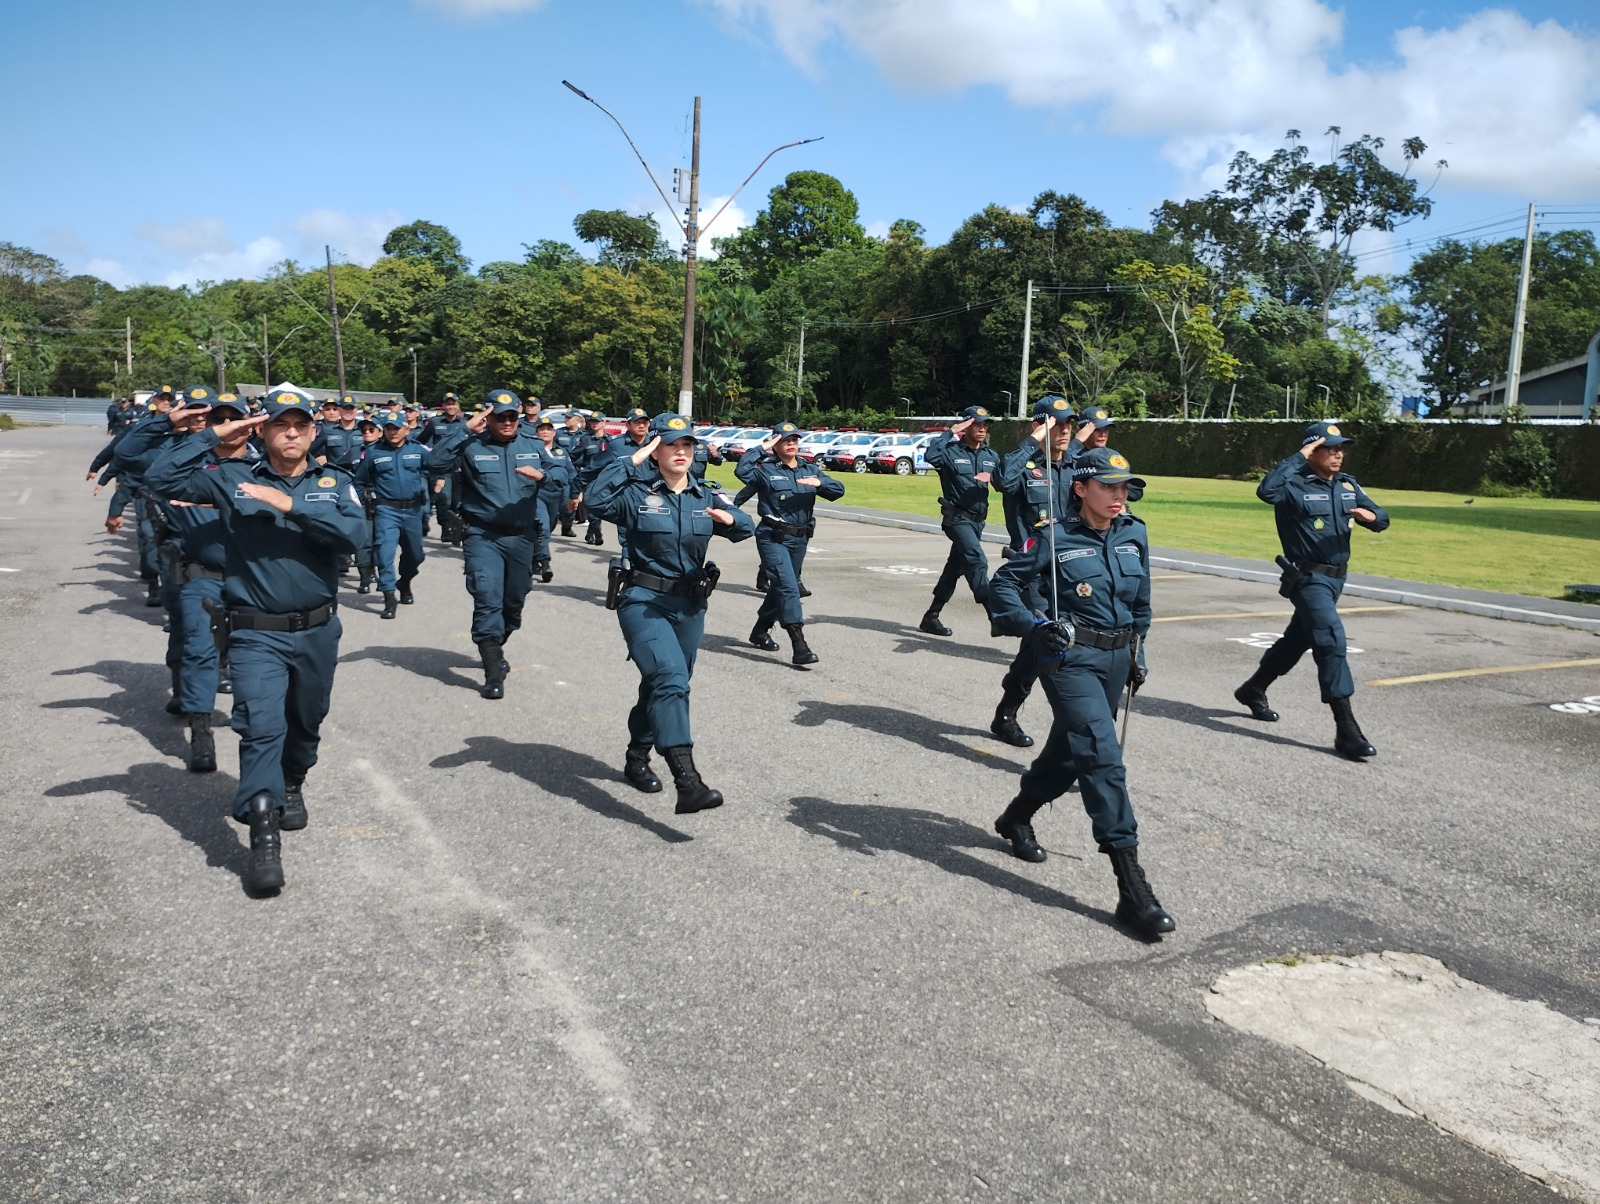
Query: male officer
[[967, 467], [1315, 505], [448, 425], [395, 470], [366, 558], [531, 408], [129, 473], [594, 457], [555, 492], [286, 523], [570, 439], [340, 443], [1100, 418], [497, 467]]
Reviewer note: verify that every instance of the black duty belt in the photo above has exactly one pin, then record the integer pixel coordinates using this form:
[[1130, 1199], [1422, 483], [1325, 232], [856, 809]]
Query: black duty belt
[[199, 572], [661, 585], [1327, 570], [246, 619], [806, 530], [498, 529], [1108, 641], [401, 503], [951, 510]]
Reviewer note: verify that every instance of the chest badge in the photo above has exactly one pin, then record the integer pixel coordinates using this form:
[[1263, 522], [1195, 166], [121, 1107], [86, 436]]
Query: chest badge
[[1085, 589], [654, 502], [326, 482], [1317, 524]]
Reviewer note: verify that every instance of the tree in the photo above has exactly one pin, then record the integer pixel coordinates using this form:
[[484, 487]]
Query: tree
[[809, 214], [625, 241], [430, 242], [1177, 294]]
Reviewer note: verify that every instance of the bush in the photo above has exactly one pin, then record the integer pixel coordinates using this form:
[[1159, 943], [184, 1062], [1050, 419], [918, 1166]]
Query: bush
[[1523, 462], [6, 422]]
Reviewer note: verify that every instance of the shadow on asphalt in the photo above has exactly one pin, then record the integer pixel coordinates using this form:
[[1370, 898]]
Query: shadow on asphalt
[[920, 730], [909, 639], [939, 840], [1211, 720], [565, 774], [139, 703], [436, 664], [578, 593]]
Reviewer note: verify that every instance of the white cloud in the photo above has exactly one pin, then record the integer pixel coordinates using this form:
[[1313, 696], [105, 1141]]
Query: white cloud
[[878, 230], [480, 8], [731, 221], [249, 262], [1512, 105], [196, 236], [112, 272], [353, 237]]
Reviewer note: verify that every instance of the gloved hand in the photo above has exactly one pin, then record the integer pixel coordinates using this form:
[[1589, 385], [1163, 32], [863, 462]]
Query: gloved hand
[[1051, 638]]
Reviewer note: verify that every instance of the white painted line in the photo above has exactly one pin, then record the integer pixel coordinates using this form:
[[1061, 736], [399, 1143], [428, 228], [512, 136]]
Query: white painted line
[[10, 570], [22, 498]]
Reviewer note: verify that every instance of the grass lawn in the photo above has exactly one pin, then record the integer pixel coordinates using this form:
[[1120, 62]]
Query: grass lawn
[[1534, 546]]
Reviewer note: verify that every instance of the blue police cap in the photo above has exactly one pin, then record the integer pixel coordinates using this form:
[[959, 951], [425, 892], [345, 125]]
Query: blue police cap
[[1107, 466], [347, 402], [442, 400], [545, 420], [161, 391], [501, 400], [669, 427], [635, 414], [594, 416], [1052, 405], [287, 401], [976, 414], [784, 429], [195, 397], [392, 418], [1329, 432], [1099, 415]]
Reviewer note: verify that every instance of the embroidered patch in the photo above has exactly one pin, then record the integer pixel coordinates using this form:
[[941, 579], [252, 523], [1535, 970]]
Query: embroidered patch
[[1084, 589], [1118, 461], [1075, 553], [1333, 430], [654, 502], [1038, 474], [1318, 524], [326, 482]]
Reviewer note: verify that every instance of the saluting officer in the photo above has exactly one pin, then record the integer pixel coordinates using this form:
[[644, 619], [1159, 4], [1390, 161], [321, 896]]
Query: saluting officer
[[967, 467], [596, 454], [396, 471], [366, 559], [498, 474], [670, 518], [555, 492], [787, 493], [286, 525], [1099, 580], [129, 476], [1316, 506], [339, 443], [570, 439]]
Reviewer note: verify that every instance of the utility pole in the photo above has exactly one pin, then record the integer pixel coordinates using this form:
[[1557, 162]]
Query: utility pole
[[128, 335], [1027, 347], [333, 310], [222, 362], [1514, 372], [800, 370], [692, 235], [266, 356], [415, 399]]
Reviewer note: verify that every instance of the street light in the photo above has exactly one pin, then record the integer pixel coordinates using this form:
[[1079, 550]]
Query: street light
[[907, 400], [1007, 392], [1326, 394]]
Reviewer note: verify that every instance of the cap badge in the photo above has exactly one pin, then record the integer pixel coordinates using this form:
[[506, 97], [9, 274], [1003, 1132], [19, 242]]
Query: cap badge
[[1333, 430], [676, 424], [1118, 461]]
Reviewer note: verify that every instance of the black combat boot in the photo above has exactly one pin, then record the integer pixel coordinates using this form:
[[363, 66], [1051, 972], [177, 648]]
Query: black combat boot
[[1005, 721], [763, 579], [1016, 825], [494, 669], [801, 586], [1137, 905], [224, 676], [295, 816], [202, 747], [801, 653], [566, 526], [390, 603], [1348, 740], [174, 707], [636, 768], [153, 596], [761, 637], [930, 623], [596, 535], [546, 573], [264, 874], [364, 579], [1253, 694], [693, 794], [406, 596]]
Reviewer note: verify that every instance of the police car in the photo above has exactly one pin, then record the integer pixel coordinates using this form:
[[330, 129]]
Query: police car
[[903, 456], [851, 452]]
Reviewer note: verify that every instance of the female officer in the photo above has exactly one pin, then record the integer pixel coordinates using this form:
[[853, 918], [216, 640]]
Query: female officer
[[786, 492], [1094, 569], [667, 518]]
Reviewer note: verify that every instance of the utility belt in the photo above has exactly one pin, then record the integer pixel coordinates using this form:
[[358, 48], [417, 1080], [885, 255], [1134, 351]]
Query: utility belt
[[401, 503], [1294, 571], [804, 530], [950, 510], [194, 571], [1108, 641], [245, 618], [476, 524], [697, 586]]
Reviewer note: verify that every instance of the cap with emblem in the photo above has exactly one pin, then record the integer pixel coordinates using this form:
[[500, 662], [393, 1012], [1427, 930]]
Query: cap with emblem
[[1107, 466], [637, 415], [229, 401], [161, 391], [976, 414], [1329, 432], [669, 428], [347, 402], [392, 418], [195, 397], [1100, 416], [784, 429], [445, 398], [287, 401], [596, 416], [501, 400], [545, 420], [532, 401], [1052, 405]]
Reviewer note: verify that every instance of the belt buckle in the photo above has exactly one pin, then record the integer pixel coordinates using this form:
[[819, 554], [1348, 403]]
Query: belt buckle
[[298, 620]]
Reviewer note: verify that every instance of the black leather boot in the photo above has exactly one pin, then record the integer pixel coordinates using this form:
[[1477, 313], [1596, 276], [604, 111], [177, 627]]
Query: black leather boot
[[801, 586], [153, 595], [930, 623], [801, 653], [1137, 905], [693, 794], [1016, 825], [636, 768], [295, 816], [264, 874], [566, 526], [174, 707], [224, 676], [1348, 740], [390, 602], [1253, 694], [762, 580], [494, 669], [761, 637], [546, 573], [406, 596], [1005, 721], [364, 579], [202, 746], [596, 535]]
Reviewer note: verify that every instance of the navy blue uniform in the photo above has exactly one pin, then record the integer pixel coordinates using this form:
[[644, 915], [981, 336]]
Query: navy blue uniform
[[129, 473], [965, 505], [340, 447], [785, 506], [398, 478], [555, 491], [1314, 523]]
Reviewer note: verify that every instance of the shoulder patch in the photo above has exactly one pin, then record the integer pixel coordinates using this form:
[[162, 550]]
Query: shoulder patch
[[326, 482]]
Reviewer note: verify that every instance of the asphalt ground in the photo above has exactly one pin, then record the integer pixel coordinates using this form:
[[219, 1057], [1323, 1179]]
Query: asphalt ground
[[497, 972]]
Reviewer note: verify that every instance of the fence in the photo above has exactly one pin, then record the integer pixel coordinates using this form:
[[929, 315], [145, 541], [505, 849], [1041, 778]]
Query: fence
[[56, 411]]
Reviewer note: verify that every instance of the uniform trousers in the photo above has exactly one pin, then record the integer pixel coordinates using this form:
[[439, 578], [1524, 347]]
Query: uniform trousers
[[1316, 625], [149, 550], [551, 506], [499, 572], [282, 684], [966, 560], [397, 527], [198, 662], [663, 636], [782, 556]]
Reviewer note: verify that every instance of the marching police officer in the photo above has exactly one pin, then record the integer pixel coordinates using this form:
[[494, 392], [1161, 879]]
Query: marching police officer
[[1094, 565], [555, 492], [366, 558], [786, 492], [129, 477], [497, 469], [1316, 505], [570, 439], [447, 425], [395, 469], [595, 454], [967, 467], [339, 443], [286, 523], [670, 517]]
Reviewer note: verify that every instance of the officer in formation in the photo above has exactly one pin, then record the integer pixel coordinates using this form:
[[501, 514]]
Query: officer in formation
[[339, 443], [595, 455], [1093, 567], [967, 468], [285, 522], [395, 471], [571, 439], [669, 517], [366, 557], [130, 487], [786, 491], [1316, 505], [555, 492], [447, 425]]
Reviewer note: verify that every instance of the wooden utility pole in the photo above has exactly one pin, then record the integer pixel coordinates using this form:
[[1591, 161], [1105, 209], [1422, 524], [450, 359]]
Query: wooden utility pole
[[1027, 348], [266, 355], [333, 311], [1514, 371], [128, 335], [800, 371], [692, 235]]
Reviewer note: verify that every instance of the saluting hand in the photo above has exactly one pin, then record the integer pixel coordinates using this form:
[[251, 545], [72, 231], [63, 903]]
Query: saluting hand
[[1084, 432], [720, 516], [177, 414], [276, 498], [239, 426], [770, 442], [643, 454], [960, 428], [533, 474], [1362, 515], [1041, 435], [1308, 448], [478, 422]]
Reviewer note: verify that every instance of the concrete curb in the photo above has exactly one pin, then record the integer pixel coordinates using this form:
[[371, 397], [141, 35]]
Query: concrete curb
[[1403, 597]]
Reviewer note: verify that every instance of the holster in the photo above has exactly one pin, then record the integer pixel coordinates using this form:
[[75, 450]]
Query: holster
[[171, 554], [221, 627], [157, 516], [705, 583], [1290, 579], [369, 501], [452, 526], [617, 576]]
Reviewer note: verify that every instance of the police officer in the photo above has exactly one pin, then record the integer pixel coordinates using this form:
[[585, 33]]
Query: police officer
[[366, 558], [497, 469], [1096, 575], [705, 456], [286, 522], [555, 492], [396, 471], [786, 491], [129, 476], [448, 425], [570, 439], [531, 409], [339, 443], [1316, 505], [670, 518], [967, 468], [596, 454]]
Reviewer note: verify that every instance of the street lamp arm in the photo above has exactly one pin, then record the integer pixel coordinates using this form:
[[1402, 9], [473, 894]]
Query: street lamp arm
[[659, 190], [708, 224]]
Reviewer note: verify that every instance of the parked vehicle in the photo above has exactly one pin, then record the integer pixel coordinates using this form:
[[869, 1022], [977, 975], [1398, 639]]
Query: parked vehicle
[[903, 458], [849, 452]]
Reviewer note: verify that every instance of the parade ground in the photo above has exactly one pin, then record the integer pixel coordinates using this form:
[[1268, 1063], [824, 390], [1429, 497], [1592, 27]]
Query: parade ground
[[497, 972]]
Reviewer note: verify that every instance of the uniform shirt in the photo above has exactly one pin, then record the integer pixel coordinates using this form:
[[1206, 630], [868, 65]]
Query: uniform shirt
[[399, 474], [778, 490], [491, 493], [1102, 577], [340, 446], [704, 456], [278, 563], [592, 453], [958, 465], [1025, 477], [559, 471], [197, 528], [440, 429], [1313, 515], [668, 533], [125, 458]]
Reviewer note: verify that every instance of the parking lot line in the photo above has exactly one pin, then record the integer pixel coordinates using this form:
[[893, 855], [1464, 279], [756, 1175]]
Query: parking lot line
[[1261, 614], [1406, 681]]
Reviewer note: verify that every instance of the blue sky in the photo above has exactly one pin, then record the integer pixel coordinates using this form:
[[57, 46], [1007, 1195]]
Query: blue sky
[[181, 140]]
